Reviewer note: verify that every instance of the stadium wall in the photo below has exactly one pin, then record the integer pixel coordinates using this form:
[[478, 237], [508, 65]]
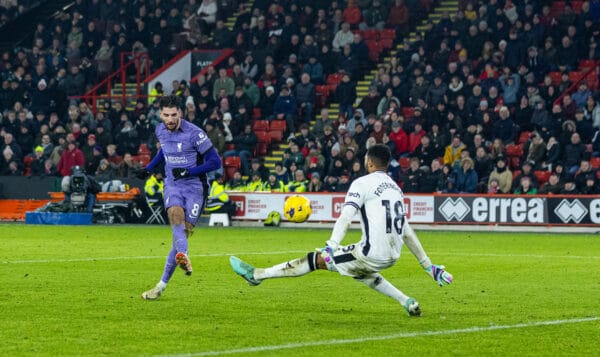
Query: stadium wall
[[445, 209]]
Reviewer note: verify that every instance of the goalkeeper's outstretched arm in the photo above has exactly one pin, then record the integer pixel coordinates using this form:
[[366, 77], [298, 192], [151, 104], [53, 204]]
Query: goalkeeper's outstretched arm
[[341, 226], [437, 272]]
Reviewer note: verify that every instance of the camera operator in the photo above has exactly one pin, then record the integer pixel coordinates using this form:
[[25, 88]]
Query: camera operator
[[80, 190]]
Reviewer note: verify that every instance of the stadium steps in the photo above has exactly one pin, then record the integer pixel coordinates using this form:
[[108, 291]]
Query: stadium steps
[[276, 151], [116, 92]]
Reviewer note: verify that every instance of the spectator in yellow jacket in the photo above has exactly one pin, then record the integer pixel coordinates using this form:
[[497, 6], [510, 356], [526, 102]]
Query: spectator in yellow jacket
[[155, 187], [453, 150], [299, 184], [255, 183], [218, 200], [273, 184]]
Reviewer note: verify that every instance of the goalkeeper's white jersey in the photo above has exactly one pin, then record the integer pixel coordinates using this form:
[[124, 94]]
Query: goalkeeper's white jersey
[[380, 203]]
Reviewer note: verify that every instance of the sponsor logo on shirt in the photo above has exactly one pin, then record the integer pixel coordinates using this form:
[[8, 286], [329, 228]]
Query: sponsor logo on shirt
[[176, 159], [354, 194], [201, 138]]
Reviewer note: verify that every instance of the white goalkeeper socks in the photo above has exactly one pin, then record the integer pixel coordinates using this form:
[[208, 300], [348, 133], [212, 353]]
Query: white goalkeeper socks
[[296, 267], [161, 285], [380, 284]]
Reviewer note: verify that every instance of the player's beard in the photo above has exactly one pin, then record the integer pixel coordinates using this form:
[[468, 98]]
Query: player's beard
[[174, 125]]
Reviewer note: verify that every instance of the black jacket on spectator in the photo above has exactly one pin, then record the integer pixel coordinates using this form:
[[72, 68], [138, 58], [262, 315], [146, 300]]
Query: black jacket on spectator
[[345, 93], [369, 104], [305, 92], [245, 141], [411, 180], [573, 154], [431, 181]]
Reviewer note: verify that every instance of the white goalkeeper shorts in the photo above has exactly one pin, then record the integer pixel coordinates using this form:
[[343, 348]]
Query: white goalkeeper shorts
[[349, 261]]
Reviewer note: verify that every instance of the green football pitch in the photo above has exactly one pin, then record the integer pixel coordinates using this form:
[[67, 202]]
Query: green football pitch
[[76, 291]]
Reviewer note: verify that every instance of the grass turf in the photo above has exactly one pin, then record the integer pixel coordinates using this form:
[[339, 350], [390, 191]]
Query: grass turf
[[76, 291]]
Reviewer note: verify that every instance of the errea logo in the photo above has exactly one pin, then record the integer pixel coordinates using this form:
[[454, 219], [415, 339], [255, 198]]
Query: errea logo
[[452, 209], [571, 211]]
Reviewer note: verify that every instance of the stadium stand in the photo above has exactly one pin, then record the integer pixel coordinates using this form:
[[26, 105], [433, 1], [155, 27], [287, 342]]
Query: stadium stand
[[518, 80]]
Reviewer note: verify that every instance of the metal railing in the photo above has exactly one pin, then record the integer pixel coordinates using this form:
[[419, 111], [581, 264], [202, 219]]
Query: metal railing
[[139, 61]]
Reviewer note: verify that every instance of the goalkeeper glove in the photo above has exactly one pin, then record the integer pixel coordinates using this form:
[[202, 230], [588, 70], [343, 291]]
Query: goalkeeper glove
[[143, 174], [327, 255], [439, 274], [179, 173]]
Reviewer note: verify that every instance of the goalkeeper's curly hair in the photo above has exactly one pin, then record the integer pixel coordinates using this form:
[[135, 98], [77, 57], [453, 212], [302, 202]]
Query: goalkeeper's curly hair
[[380, 155]]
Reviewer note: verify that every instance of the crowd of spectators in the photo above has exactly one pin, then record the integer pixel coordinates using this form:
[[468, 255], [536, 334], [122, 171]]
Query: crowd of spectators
[[12, 9], [449, 104]]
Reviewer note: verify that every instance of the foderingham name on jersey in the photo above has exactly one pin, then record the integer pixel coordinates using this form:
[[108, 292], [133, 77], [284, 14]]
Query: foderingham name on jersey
[[385, 186]]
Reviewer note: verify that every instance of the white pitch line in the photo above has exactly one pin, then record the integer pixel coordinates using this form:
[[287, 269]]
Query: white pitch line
[[33, 261], [100, 259], [510, 255], [382, 338]]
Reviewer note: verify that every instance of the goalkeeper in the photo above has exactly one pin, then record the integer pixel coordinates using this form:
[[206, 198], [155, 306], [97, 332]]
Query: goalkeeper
[[384, 230]]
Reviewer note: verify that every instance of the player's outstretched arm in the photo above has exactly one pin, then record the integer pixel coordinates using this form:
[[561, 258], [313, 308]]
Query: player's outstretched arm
[[147, 171], [437, 272]]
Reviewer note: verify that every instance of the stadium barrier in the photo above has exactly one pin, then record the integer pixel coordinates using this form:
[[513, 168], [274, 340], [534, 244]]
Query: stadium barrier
[[526, 210], [429, 209]]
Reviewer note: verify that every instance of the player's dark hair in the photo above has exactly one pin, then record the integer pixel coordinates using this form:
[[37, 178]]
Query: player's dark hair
[[170, 101], [380, 155]]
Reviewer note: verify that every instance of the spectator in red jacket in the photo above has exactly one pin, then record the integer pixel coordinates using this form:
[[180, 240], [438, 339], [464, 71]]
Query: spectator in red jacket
[[352, 14], [414, 138], [398, 18], [72, 156], [399, 137]]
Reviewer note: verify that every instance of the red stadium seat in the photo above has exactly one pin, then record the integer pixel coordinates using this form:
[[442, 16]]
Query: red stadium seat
[[370, 34], [587, 63], [542, 176], [595, 162], [278, 125], [143, 159], [143, 149], [334, 78], [27, 160], [321, 95], [386, 43], [514, 153], [374, 50], [263, 137], [575, 76], [388, 33], [232, 161], [261, 125], [261, 149], [256, 114], [408, 112], [556, 77], [276, 136], [513, 150], [525, 135], [592, 81]]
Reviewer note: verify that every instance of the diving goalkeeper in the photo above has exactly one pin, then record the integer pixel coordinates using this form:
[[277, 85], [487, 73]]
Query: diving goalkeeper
[[384, 230]]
